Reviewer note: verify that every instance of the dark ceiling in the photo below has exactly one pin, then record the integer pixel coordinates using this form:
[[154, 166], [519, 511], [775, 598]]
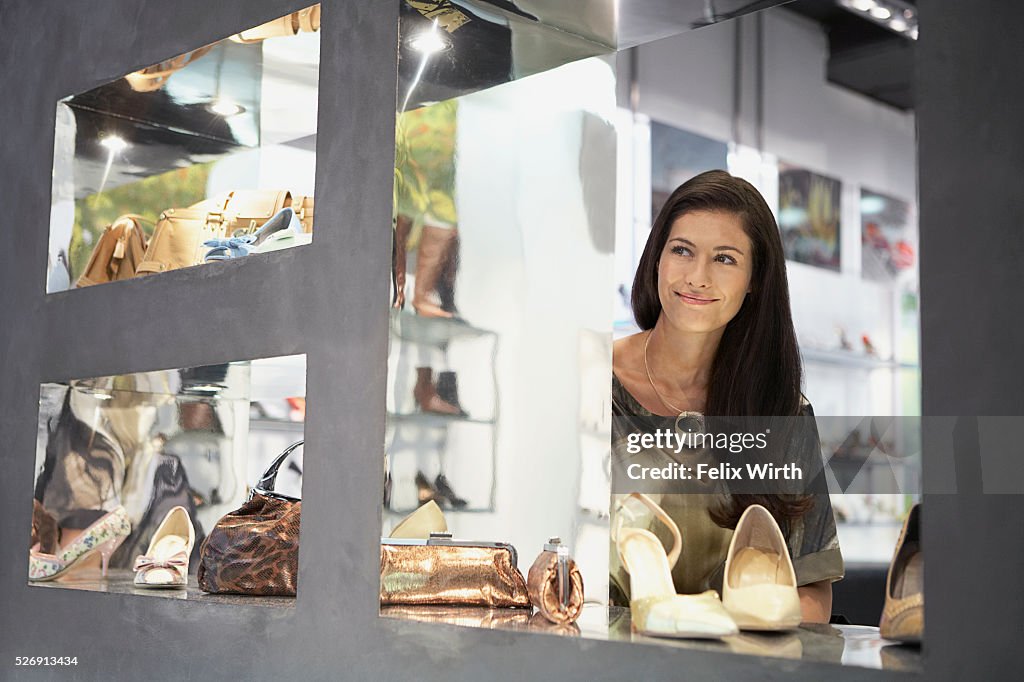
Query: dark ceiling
[[864, 56]]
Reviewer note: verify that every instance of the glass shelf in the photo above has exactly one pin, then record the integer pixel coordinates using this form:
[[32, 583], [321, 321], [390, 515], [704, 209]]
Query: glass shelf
[[432, 331], [435, 419], [845, 358]]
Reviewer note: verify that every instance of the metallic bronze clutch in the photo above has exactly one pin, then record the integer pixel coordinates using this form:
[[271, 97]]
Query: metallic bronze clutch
[[556, 585], [448, 572]]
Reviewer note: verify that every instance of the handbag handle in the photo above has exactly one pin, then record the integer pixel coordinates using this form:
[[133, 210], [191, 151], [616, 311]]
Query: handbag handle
[[265, 486]]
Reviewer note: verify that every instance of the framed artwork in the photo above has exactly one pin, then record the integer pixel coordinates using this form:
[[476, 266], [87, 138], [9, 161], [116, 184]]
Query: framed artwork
[[888, 242], [809, 216], [678, 155]]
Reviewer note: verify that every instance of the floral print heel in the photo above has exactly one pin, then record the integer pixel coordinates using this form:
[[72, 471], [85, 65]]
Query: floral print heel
[[103, 536]]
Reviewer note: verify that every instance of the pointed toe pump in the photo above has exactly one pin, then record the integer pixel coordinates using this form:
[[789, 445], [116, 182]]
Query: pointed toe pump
[[759, 589], [421, 523], [165, 563], [655, 607], [903, 614], [102, 537]]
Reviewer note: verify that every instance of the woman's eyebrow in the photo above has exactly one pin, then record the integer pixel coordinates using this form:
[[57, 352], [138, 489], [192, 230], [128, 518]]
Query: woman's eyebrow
[[687, 242]]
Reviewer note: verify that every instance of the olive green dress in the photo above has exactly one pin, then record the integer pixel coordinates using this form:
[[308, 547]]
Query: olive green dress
[[811, 539]]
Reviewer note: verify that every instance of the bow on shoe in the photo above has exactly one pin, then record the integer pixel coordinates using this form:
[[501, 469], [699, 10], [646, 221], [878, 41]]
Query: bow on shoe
[[175, 561], [229, 247]]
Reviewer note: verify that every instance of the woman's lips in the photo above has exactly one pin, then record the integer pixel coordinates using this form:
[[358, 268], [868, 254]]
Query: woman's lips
[[695, 300]]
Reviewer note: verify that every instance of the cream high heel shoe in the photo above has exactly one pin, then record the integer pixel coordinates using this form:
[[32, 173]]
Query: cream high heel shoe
[[759, 588], [165, 563], [655, 607], [421, 523], [103, 536]]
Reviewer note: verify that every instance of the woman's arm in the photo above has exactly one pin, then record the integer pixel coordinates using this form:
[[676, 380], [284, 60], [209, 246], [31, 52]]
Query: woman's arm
[[816, 601]]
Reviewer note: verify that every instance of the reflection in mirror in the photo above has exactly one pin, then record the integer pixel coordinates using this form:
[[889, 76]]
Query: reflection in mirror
[[448, 49], [206, 156], [166, 479], [500, 385], [499, 364]]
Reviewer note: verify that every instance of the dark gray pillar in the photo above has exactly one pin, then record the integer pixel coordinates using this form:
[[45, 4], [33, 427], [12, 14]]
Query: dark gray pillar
[[970, 97]]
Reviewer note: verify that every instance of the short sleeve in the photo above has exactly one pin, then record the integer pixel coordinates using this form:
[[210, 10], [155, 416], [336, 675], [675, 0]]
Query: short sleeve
[[812, 538]]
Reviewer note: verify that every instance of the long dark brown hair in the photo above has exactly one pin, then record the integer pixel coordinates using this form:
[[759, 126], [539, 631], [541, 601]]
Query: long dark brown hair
[[756, 371]]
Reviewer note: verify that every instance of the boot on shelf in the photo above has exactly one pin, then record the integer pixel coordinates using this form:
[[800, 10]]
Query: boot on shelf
[[403, 225], [448, 389], [436, 243], [427, 398], [446, 281], [445, 491]]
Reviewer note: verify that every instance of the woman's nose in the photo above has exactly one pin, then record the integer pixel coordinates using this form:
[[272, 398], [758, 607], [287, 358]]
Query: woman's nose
[[698, 275]]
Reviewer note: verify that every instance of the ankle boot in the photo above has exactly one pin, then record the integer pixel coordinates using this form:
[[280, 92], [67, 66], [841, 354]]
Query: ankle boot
[[448, 390], [402, 227], [426, 395], [435, 243]]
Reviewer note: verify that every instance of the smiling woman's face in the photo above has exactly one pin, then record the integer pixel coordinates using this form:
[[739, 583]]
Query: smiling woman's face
[[704, 271]]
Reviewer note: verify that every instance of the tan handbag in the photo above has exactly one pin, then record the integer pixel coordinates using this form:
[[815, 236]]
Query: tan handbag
[[179, 235], [445, 572], [117, 253], [155, 77], [307, 20]]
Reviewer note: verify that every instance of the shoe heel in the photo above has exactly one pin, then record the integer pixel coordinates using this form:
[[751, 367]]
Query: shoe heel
[[106, 549]]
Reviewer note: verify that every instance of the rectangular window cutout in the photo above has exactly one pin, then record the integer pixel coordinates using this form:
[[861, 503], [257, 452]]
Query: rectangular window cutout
[[206, 156], [162, 483]]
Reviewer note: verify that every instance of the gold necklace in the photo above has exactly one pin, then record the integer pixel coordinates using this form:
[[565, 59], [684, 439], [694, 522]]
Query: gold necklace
[[682, 413]]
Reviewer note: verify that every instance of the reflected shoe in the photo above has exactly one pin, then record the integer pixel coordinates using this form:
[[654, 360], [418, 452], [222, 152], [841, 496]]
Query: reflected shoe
[[759, 588], [655, 607], [103, 536], [421, 523], [425, 491], [903, 614], [444, 490], [448, 389], [165, 563], [427, 398]]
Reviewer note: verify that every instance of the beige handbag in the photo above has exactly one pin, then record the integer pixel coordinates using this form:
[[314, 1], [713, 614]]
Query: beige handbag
[[117, 253], [307, 20], [178, 239]]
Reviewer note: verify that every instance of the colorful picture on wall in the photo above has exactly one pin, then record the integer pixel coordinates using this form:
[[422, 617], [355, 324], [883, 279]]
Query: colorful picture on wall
[[678, 155], [809, 216], [889, 246]]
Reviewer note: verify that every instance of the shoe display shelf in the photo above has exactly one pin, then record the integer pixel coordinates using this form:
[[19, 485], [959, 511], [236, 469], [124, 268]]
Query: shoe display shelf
[[424, 444]]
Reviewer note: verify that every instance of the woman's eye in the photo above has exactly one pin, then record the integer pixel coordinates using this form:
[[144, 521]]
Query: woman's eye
[[723, 258], [680, 251]]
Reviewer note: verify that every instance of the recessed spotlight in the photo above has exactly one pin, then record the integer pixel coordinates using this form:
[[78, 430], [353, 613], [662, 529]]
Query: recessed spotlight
[[115, 143], [225, 107], [898, 24], [879, 12], [863, 5], [428, 43]]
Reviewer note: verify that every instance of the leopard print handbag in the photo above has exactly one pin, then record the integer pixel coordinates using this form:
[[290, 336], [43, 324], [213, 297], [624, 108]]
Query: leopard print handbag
[[254, 550]]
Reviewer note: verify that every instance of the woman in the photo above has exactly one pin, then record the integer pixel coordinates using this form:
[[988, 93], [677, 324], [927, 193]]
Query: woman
[[712, 298]]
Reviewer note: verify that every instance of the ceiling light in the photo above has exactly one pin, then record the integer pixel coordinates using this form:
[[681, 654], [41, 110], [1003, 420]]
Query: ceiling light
[[863, 5], [428, 43], [879, 12], [115, 143], [898, 24], [225, 107]]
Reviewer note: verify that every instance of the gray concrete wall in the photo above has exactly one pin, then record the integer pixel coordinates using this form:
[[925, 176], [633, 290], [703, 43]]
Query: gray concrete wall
[[971, 152]]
